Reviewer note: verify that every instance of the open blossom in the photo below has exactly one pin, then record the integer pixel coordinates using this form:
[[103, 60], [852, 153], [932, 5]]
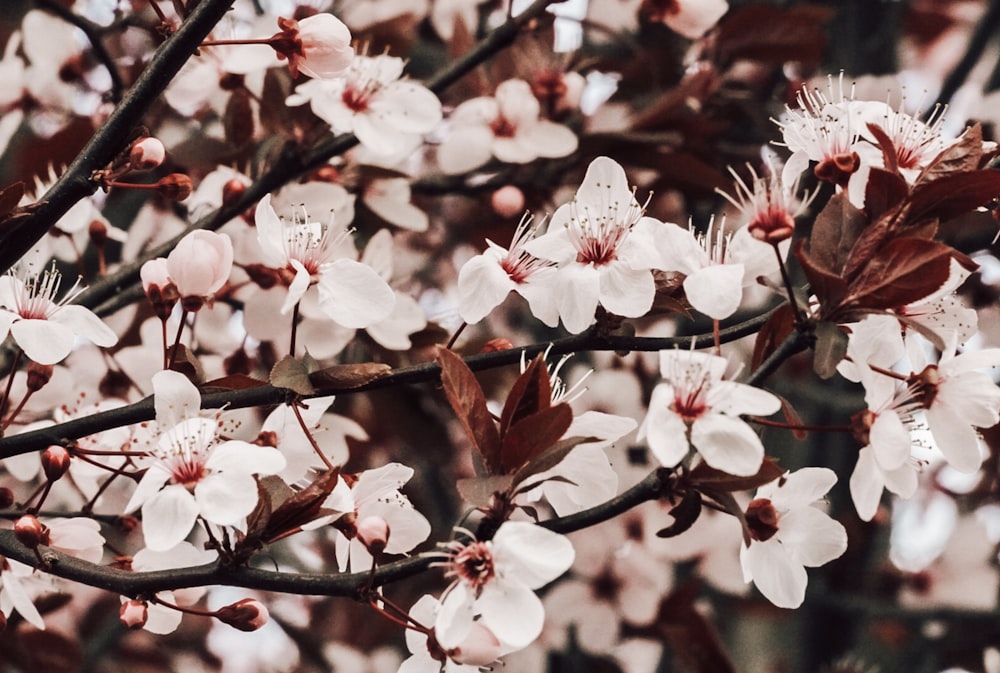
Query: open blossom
[[695, 402], [194, 472], [318, 45], [507, 126], [45, 329], [496, 579], [350, 293], [788, 534], [372, 101], [486, 280], [604, 247], [479, 648], [768, 205]]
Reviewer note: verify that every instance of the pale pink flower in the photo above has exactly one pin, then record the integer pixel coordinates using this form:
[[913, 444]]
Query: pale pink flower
[[44, 328], [604, 247], [318, 46], [200, 265], [194, 472], [789, 534], [696, 403], [507, 126], [374, 102], [479, 648], [486, 279], [690, 18], [159, 619], [768, 204], [496, 579]]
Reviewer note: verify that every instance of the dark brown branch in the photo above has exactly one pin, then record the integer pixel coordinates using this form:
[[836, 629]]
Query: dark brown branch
[[93, 32], [75, 184], [108, 294], [422, 373], [137, 584]]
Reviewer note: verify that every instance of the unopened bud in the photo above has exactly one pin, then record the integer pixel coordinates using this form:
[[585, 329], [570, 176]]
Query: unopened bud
[[232, 192], [498, 344], [29, 531], [38, 376], [98, 232], [508, 201], [6, 497], [373, 531], [248, 614], [55, 462], [133, 614], [146, 154], [479, 648], [175, 186], [231, 81]]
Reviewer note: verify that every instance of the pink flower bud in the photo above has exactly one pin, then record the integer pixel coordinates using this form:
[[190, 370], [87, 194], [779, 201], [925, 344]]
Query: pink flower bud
[[200, 265], [160, 290], [38, 376], [373, 531], [480, 647], [55, 462], [318, 45], [29, 531], [98, 232], [248, 614], [508, 201], [147, 154], [175, 186], [6, 497], [133, 614]]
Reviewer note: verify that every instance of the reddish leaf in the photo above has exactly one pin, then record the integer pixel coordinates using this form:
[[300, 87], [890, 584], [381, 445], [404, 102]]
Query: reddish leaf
[[550, 457], [349, 377], [952, 195], [469, 404], [233, 382], [779, 325], [46, 651], [834, 234], [772, 34], [889, 156], [531, 392], [685, 513], [965, 155], [238, 121], [884, 192], [708, 478], [828, 287], [906, 270], [478, 491], [792, 418], [301, 507], [529, 437]]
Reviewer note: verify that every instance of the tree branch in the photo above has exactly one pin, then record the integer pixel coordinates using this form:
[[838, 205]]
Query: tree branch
[[65, 433], [75, 184]]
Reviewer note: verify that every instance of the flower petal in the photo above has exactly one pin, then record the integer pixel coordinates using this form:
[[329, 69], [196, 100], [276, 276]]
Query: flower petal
[[168, 517], [353, 294]]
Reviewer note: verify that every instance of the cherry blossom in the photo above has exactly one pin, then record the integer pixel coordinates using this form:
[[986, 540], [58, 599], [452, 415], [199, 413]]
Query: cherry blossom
[[318, 45], [507, 127], [46, 329], [372, 101], [789, 533], [496, 579], [193, 471], [694, 401], [479, 648], [604, 247], [199, 266]]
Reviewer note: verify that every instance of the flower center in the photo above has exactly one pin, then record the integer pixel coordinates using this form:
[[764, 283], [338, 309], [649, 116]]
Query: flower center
[[762, 519], [597, 231], [474, 564], [503, 127]]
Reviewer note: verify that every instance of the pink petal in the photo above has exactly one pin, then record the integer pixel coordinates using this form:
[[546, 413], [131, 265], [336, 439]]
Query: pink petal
[[353, 295]]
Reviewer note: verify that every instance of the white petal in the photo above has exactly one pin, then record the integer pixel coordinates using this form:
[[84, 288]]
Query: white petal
[[728, 444], [43, 341], [246, 458], [626, 292], [866, 485], [715, 290], [225, 499], [464, 149], [512, 612], [890, 440], [174, 397], [352, 294], [482, 286], [956, 439], [776, 574], [799, 488], [663, 429], [531, 554], [167, 517], [577, 291], [813, 536], [82, 322]]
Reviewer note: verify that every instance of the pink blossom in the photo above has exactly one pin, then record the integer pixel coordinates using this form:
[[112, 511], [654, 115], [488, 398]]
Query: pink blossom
[[200, 265], [318, 45]]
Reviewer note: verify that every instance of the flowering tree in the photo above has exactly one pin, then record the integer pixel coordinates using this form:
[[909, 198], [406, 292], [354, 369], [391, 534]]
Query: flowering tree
[[440, 336]]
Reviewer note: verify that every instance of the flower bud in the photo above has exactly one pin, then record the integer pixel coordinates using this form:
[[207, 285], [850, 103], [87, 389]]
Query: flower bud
[[38, 376], [318, 45], [55, 462], [6, 497], [146, 154], [373, 531], [159, 288], [133, 614], [494, 345], [175, 186], [29, 531], [232, 192], [98, 232], [508, 201], [247, 614], [200, 266]]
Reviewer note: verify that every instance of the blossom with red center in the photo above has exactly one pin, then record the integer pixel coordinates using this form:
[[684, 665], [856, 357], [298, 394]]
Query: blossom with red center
[[486, 279], [350, 293], [46, 329], [507, 126], [695, 402], [788, 533], [769, 205], [604, 247], [318, 45], [194, 472], [495, 582], [373, 101]]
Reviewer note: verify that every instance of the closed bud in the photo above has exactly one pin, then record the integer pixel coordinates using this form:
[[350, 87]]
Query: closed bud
[[55, 462], [498, 344], [373, 531], [175, 186], [232, 192], [38, 376], [508, 201], [98, 232], [6, 497], [248, 614], [133, 614], [146, 154], [29, 531]]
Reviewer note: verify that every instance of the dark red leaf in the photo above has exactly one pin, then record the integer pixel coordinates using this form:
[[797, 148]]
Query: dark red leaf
[[301, 507], [689, 635], [529, 437], [238, 120], [889, 156], [904, 271], [685, 513], [965, 155], [828, 287], [834, 234], [531, 392], [469, 404], [884, 192], [779, 325], [769, 33], [707, 478], [233, 382], [952, 195], [349, 377]]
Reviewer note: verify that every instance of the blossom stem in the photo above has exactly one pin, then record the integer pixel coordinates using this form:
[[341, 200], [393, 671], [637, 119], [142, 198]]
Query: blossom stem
[[10, 385], [458, 333], [223, 43], [14, 414], [295, 328], [177, 341], [800, 319], [312, 440], [166, 347]]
